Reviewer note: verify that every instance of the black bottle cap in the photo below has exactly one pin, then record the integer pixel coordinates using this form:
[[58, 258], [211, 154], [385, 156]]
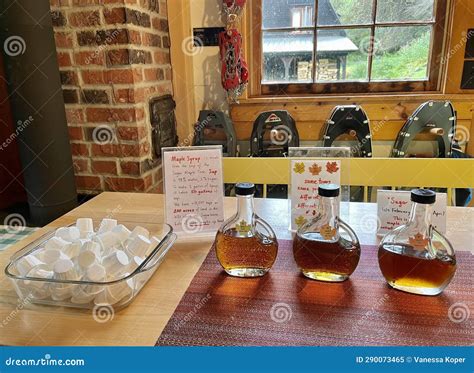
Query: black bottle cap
[[424, 196], [244, 189], [329, 190]]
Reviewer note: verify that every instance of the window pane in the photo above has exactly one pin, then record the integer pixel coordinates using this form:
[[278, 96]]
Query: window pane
[[344, 12], [401, 53], [287, 13], [288, 56], [404, 10], [342, 55]]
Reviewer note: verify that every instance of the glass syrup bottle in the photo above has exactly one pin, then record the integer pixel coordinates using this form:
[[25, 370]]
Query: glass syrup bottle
[[415, 257], [246, 245], [326, 248]]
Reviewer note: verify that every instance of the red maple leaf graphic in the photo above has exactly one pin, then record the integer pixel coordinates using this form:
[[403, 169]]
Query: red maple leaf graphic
[[332, 167]]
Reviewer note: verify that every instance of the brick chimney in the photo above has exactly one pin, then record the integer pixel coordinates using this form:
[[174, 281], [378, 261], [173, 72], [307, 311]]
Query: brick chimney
[[114, 57]]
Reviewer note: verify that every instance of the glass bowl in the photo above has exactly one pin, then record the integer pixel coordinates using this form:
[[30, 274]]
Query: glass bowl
[[114, 292]]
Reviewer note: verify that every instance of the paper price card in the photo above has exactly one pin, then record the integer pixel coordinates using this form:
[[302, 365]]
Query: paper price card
[[393, 209], [306, 175], [194, 190]]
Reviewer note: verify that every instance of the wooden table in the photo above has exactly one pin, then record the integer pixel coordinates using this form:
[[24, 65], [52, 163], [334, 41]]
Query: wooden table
[[142, 322]]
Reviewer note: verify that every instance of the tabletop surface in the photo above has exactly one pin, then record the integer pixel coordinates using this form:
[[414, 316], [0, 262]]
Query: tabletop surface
[[142, 322]]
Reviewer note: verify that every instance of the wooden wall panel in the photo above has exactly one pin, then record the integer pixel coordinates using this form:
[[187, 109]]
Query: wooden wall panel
[[387, 116], [311, 131], [463, 19]]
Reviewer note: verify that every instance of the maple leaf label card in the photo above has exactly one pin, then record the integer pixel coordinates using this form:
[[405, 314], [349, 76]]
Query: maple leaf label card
[[194, 189], [306, 175], [394, 206]]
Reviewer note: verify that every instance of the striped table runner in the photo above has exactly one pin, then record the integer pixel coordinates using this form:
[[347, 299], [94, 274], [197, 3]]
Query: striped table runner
[[11, 235], [285, 309]]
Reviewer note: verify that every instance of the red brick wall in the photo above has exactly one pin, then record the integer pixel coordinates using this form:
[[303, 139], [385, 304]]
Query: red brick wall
[[113, 56]]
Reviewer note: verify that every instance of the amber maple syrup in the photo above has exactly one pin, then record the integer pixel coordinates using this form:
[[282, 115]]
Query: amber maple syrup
[[406, 268], [415, 257], [326, 248], [246, 245], [244, 255], [327, 261]]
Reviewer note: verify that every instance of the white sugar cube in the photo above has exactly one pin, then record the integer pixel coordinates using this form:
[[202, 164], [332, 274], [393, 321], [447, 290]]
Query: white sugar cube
[[139, 246], [106, 225], [116, 264], [139, 231], [73, 249], [40, 271], [107, 241], [38, 289], [96, 273], [83, 294], [92, 246], [85, 226], [51, 256], [78, 296], [63, 270], [122, 232], [136, 262], [26, 264], [69, 234], [86, 258], [56, 243], [114, 293]]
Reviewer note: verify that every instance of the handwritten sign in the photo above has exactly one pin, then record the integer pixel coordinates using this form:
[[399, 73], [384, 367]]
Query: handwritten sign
[[393, 209], [194, 190], [306, 175]]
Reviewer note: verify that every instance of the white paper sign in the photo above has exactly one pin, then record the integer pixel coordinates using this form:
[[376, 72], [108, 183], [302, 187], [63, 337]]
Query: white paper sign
[[393, 210], [306, 175], [194, 190]]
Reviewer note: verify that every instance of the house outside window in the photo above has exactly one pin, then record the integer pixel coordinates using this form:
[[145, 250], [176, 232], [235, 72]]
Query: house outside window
[[302, 16], [373, 43]]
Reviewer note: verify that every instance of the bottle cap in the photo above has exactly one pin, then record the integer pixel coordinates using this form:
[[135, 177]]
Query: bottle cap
[[328, 190], [423, 196], [244, 189]]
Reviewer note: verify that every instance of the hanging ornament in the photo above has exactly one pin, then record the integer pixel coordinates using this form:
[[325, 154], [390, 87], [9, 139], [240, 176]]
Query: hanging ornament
[[233, 9], [235, 72]]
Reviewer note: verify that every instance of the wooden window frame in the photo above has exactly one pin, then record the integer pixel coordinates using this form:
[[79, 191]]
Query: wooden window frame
[[432, 84]]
